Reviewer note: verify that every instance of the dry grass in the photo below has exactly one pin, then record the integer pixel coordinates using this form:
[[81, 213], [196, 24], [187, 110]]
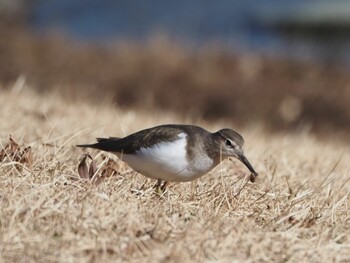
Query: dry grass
[[298, 210]]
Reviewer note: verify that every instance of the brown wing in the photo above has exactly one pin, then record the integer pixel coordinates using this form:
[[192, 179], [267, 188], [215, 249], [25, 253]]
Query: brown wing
[[141, 139]]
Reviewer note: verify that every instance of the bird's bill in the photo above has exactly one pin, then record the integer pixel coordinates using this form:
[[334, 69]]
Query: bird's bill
[[244, 160]]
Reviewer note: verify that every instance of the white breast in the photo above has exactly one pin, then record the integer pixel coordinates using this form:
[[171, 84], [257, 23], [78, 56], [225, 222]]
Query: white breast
[[168, 161]]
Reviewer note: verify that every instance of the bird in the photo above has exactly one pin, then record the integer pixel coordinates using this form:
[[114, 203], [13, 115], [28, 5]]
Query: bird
[[175, 152]]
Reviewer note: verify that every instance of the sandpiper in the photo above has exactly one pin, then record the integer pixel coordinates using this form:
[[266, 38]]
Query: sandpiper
[[175, 153]]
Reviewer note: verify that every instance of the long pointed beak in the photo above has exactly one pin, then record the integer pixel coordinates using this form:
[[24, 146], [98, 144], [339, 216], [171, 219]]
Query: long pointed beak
[[244, 160]]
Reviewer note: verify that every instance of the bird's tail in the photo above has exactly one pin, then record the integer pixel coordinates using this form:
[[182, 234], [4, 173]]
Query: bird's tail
[[104, 144], [94, 145], [108, 139]]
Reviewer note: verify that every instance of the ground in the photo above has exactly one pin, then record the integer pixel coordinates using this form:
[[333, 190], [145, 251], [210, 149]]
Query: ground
[[297, 210]]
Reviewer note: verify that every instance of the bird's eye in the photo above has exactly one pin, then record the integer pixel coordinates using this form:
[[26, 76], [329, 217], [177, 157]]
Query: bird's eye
[[228, 143]]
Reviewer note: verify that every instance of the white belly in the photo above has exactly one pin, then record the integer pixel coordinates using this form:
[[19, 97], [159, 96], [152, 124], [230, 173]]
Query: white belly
[[168, 161]]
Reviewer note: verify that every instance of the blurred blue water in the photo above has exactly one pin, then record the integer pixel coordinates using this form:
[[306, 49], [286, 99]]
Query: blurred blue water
[[229, 22]]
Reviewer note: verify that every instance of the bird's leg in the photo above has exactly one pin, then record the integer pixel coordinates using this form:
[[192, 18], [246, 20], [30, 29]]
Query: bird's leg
[[160, 186], [141, 188], [163, 186]]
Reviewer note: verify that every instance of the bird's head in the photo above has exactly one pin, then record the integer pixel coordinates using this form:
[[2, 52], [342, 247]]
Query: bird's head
[[231, 145]]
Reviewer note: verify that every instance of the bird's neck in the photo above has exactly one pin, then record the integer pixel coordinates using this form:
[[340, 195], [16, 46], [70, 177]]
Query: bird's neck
[[212, 146]]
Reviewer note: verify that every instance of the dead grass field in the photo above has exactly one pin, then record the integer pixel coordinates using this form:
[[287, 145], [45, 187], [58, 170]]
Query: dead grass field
[[297, 211]]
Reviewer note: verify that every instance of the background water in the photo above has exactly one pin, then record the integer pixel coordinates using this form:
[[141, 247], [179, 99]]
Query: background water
[[232, 23]]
